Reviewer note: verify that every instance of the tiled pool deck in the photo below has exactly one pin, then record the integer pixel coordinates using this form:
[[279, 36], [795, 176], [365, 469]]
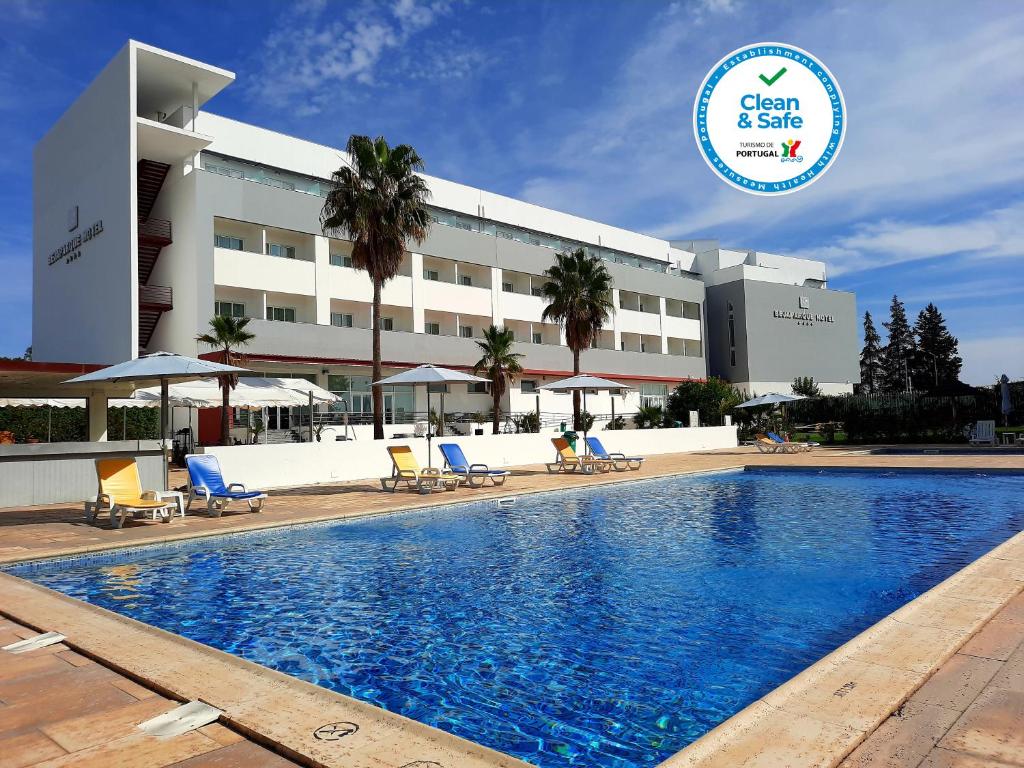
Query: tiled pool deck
[[938, 683]]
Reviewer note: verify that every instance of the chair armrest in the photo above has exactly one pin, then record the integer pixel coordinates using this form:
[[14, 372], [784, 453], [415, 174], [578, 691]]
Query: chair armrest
[[201, 491], [240, 486], [405, 473], [149, 496], [480, 467], [104, 498], [616, 455], [430, 471]]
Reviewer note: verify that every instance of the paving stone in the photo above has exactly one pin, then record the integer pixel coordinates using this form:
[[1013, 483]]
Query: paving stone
[[136, 751], [991, 727], [997, 640], [958, 682], [944, 758], [241, 755], [27, 749], [904, 739], [1011, 676], [89, 730]]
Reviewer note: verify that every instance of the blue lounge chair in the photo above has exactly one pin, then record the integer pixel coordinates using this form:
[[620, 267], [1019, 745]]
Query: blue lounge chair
[[796, 446], [205, 481], [474, 475], [619, 461]]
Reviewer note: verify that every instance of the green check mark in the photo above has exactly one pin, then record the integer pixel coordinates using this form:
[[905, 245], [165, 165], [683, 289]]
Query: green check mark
[[771, 81]]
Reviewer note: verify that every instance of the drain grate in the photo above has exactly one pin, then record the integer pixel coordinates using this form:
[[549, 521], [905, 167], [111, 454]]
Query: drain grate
[[39, 641], [181, 720]]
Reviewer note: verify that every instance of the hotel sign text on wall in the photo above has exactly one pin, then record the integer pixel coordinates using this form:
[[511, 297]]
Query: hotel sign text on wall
[[72, 249], [804, 316]]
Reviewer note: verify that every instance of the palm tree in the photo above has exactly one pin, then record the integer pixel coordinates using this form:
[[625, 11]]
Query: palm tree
[[499, 363], [227, 334], [579, 294], [379, 203]]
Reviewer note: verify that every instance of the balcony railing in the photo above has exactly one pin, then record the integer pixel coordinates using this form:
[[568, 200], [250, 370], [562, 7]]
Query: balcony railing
[[156, 297], [155, 229]]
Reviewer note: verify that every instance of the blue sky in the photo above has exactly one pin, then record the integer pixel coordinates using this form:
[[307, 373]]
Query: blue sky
[[586, 107]]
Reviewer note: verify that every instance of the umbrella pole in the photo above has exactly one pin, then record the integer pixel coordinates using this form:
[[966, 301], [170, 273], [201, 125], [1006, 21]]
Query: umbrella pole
[[586, 445], [430, 433], [164, 396], [311, 415]]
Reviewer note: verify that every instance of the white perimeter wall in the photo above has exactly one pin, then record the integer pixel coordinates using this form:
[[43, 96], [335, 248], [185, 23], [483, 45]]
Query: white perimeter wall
[[276, 466]]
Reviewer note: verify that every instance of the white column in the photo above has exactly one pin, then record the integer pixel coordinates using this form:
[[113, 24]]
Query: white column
[[322, 279], [661, 324], [98, 416], [263, 305], [416, 299], [616, 333], [496, 314], [263, 240]]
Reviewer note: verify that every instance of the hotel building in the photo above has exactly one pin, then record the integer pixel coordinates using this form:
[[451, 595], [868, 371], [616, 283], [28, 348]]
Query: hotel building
[[151, 215]]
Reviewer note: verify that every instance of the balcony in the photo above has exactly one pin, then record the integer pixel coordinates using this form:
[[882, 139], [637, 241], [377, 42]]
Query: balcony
[[154, 300]]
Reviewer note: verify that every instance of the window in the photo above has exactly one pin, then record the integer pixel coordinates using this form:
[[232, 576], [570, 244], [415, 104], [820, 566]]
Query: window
[[732, 335], [227, 241], [465, 280], [281, 314], [387, 323], [284, 251], [480, 388], [507, 287], [228, 309], [653, 394], [466, 331], [536, 290], [643, 345], [338, 260], [622, 346], [341, 319], [432, 329], [437, 389], [528, 386], [537, 338], [431, 274], [511, 334]]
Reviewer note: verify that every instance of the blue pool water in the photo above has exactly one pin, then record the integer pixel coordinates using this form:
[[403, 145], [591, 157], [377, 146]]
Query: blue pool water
[[602, 628]]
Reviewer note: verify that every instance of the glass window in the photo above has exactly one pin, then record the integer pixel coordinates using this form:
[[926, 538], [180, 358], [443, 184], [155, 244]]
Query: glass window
[[338, 260], [338, 383], [387, 324], [229, 309], [507, 287], [536, 290], [528, 386], [431, 274], [479, 388], [341, 319], [537, 338], [653, 394], [437, 389], [281, 314], [466, 331], [227, 241], [432, 329], [284, 251], [465, 280]]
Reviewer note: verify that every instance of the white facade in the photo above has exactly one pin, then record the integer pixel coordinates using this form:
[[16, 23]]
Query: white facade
[[202, 214]]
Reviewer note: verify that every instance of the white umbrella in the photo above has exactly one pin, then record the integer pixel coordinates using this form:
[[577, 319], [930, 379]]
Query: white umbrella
[[583, 382], [162, 367], [773, 398], [429, 374], [1005, 405]]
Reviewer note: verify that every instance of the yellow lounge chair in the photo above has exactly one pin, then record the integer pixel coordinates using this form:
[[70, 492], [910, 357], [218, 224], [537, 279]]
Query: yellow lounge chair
[[121, 494], [405, 469], [568, 461]]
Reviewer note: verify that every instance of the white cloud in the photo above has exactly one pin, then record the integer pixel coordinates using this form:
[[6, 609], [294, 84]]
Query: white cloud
[[987, 235], [320, 51]]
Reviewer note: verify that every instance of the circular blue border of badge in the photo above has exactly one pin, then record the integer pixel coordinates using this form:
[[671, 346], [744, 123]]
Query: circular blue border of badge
[[711, 157]]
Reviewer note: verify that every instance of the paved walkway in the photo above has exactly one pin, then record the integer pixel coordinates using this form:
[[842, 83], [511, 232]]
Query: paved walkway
[[59, 708], [969, 714]]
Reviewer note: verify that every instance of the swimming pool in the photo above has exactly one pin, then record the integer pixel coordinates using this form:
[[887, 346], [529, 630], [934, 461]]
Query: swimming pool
[[604, 627]]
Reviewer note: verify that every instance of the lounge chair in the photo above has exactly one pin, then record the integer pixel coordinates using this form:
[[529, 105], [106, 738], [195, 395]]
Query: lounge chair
[[984, 433], [568, 461], [799, 446], [474, 475], [619, 461], [120, 493], [206, 481], [405, 469], [766, 445]]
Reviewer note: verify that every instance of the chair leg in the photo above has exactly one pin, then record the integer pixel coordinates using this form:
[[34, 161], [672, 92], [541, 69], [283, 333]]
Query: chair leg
[[117, 517]]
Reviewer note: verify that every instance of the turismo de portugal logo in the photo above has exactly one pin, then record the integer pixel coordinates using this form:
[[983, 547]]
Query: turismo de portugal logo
[[769, 119]]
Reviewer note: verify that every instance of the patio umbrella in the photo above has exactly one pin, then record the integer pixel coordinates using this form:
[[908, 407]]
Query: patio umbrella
[[773, 398], [1004, 391], [163, 367], [429, 374], [583, 382]]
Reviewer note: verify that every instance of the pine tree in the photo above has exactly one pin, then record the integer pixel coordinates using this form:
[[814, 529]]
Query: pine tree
[[898, 355], [871, 357], [936, 362]]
